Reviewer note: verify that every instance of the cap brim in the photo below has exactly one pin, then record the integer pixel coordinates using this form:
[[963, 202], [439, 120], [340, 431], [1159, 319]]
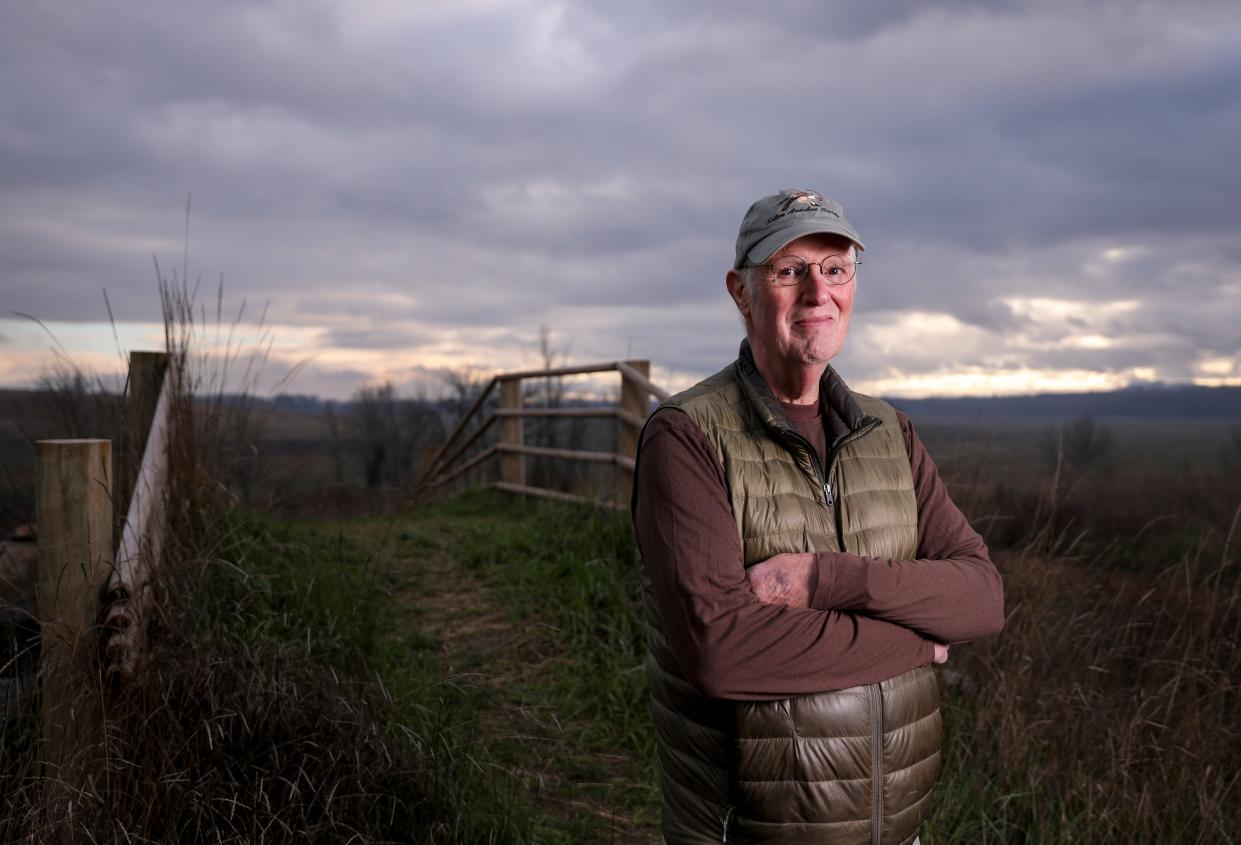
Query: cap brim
[[764, 249]]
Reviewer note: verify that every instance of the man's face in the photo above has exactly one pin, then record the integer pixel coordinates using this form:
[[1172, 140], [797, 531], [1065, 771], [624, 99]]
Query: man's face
[[803, 324]]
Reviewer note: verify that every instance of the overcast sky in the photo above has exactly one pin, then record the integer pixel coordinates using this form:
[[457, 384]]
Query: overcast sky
[[1050, 191]]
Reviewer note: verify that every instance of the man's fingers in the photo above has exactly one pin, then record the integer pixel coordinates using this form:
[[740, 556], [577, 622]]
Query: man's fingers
[[941, 653]]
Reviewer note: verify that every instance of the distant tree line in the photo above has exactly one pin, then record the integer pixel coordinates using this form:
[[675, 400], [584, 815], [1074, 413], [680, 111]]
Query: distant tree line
[[383, 434]]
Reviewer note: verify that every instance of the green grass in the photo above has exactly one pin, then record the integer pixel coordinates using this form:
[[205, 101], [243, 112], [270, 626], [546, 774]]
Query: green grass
[[573, 567], [472, 672], [567, 717], [1100, 715], [281, 704]]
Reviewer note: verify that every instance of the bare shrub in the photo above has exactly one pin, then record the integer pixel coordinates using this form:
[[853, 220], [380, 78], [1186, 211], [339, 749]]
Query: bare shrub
[[391, 433], [1082, 445]]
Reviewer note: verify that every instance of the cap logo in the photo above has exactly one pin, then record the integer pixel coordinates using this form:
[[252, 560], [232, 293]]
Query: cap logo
[[798, 201]]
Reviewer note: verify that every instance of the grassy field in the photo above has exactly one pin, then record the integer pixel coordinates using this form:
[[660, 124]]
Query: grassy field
[[441, 676], [528, 614], [1104, 713], [470, 671], [1139, 445]]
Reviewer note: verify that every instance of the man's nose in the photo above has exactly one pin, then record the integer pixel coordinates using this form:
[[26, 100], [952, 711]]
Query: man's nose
[[814, 288]]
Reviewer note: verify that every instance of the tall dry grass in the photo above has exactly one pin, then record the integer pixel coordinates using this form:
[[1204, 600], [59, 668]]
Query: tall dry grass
[[1107, 709], [260, 713]]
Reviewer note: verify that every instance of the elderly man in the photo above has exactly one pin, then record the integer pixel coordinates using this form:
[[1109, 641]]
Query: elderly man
[[803, 566]]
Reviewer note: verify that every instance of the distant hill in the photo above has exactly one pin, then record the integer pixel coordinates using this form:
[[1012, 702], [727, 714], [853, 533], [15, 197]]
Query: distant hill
[[1146, 402]]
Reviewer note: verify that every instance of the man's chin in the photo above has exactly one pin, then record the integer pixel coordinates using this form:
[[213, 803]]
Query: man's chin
[[818, 354]]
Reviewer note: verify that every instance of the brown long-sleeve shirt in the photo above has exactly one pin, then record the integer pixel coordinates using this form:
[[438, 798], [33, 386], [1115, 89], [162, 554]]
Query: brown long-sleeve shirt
[[869, 619]]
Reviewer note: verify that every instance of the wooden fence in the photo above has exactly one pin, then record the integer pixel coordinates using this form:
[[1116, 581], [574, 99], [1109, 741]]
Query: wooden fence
[[454, 459], [93, 597]]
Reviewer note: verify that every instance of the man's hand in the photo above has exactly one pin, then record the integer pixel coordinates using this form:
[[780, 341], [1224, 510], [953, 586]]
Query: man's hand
[[784, 579], [941, 653]]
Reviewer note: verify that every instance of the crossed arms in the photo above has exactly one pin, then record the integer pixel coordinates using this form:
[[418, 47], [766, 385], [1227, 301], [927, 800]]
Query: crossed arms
[[799, 623]]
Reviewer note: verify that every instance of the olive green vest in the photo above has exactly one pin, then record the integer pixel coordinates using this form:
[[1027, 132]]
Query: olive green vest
[[847, 766]]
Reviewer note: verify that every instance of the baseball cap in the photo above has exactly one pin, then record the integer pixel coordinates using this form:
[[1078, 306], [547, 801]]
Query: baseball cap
[[782, 218]]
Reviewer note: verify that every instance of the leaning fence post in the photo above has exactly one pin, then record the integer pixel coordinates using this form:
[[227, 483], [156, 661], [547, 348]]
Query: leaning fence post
[[635, 399], [512, 464], [142, 530], [146, 379], [74, 512]]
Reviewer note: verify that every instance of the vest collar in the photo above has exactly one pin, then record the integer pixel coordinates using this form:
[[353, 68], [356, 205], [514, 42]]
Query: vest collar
[[836, 400]]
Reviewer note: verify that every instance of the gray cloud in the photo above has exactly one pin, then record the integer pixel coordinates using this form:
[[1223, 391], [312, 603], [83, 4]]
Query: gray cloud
[[488, 168], [373, 338]]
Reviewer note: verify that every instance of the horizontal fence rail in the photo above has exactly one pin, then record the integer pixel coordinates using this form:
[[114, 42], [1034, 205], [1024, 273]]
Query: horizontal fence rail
[[452, 461], [568, 454]]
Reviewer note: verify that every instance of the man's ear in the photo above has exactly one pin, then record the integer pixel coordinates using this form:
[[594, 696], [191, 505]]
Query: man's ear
[[736, 289]]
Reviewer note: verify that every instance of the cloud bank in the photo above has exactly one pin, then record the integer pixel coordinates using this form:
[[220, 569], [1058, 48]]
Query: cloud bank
[[1048, 189]]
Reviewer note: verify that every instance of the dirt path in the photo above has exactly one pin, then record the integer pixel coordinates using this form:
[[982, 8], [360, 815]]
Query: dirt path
[[583, 796]]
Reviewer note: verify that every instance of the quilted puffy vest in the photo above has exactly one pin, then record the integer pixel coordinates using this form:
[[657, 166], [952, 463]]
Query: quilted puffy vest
[[848, 766]]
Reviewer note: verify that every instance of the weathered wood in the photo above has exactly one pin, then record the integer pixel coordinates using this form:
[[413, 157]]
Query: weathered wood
[[631, 418], [436, 462], [425, 457], [557, 412], [465, 467], [541, 493], [460, 450], [636, 389], [142, 539], [145, 380], [567, 454], [636, 401], [579, 370], [74, 507], [642, 380], [512, 465]]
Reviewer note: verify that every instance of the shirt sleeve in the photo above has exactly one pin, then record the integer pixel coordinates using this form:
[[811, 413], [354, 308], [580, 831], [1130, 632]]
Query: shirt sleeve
[[951, 592], [726, 642]]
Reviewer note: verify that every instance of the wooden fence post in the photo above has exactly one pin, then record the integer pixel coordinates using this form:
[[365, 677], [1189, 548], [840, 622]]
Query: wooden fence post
[[146, 379], [636, 400], [512, 465], [141, 544], [74, 511], [426, 455]]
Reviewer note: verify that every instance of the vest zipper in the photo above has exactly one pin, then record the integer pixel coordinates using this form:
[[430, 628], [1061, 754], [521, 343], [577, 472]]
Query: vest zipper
[[824, 484], [825, 472], [876, 719]]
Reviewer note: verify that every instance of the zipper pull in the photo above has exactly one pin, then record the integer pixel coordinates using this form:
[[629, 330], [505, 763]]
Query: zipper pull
[[827, 492], [728, 815]]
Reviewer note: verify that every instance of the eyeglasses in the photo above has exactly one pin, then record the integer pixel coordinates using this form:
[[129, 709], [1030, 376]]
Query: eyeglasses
[[792, 269]]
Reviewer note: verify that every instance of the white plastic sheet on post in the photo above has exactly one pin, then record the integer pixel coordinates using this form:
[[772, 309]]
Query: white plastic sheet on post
[[137, 555]]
